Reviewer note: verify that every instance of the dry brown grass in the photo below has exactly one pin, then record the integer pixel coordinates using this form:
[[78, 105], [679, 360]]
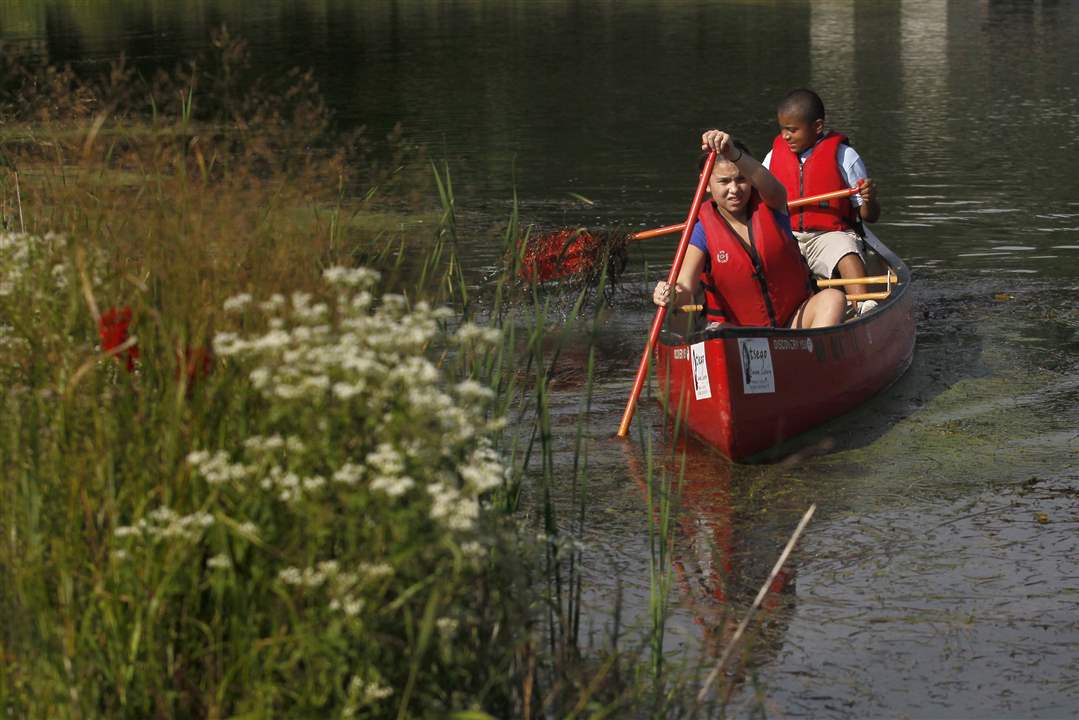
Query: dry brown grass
[[202, 182]]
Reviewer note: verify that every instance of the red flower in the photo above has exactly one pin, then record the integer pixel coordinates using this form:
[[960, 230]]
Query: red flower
[[195, 362], [112, 327]]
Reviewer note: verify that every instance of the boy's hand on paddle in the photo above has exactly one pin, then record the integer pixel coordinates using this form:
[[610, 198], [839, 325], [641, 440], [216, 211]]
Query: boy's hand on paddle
[[662, 294], [867, 190]]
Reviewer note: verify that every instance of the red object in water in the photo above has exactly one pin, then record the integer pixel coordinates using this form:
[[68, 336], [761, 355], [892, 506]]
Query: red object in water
[[112, 327], [744, 390], [559, 254]]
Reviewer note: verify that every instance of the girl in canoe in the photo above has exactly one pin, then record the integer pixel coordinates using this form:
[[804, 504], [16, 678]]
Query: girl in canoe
[[742, 252]]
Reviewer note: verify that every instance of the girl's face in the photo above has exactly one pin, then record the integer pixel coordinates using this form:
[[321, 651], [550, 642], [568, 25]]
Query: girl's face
[[730, 188]]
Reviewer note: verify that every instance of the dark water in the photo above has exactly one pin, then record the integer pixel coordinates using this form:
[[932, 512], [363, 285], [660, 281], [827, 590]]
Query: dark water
[[938, 577]]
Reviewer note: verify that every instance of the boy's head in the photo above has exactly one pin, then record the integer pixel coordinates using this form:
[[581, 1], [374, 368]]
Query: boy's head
[[801, 119]]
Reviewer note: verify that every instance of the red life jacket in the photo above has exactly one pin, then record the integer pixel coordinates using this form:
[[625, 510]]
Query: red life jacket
[[762, 284], [820, 174]]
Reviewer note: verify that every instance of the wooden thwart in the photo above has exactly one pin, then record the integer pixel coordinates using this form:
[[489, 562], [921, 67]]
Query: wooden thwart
[[858, 297]]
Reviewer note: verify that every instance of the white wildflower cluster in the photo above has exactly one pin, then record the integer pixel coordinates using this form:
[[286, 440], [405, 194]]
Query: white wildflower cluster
[[446, 626], [164, 523], [484, 470], [250, 530], [16, 253], [470, 334], [265, 445], [237, 303], [60, 275], [363, 693], [309, 577], [11, 342], [388, 468], [36, 274], [363, 358], [216, 469], [473, 550], [343, 588], [375, 571], [360, 278], [349, 474], [472, 391], [274, 303], [289, 486], [35, 263], [455, 508]]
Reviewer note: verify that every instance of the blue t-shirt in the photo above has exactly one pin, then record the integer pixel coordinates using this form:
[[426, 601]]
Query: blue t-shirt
[[700, 241]]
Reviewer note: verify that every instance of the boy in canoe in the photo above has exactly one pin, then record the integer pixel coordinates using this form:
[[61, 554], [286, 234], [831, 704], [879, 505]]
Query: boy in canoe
[[743, 253], [810, 160]]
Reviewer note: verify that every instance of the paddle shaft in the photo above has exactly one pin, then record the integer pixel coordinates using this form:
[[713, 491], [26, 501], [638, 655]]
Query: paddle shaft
[[800, 202], [797, 203], [672, 279]]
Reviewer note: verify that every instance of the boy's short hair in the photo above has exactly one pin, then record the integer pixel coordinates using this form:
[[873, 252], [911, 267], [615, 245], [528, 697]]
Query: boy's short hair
[[803, 104], [704, 154]]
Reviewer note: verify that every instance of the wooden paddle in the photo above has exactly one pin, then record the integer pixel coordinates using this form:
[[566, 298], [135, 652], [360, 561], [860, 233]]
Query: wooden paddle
[[565, 253], [672, 278]]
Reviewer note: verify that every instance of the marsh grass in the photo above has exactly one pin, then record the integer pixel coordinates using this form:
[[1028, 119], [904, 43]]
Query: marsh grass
[[294, 484], [226, 179]]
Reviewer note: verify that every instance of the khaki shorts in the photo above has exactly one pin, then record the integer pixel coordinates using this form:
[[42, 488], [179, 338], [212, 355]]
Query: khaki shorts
[[823, 251]]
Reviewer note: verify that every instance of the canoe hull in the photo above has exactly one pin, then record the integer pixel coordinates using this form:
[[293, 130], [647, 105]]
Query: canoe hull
[[744, 390]]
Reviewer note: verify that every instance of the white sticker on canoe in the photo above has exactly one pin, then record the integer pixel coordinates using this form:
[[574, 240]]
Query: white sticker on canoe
[[702, 389], [757, 373]]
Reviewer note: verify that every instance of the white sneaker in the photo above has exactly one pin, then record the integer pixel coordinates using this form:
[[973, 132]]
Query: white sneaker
[[865, 306]]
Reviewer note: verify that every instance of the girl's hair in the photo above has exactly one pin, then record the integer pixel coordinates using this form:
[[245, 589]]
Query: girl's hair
[[704, 154]]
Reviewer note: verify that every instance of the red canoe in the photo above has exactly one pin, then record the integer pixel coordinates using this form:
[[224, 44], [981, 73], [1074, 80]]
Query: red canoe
[[746, 389]]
